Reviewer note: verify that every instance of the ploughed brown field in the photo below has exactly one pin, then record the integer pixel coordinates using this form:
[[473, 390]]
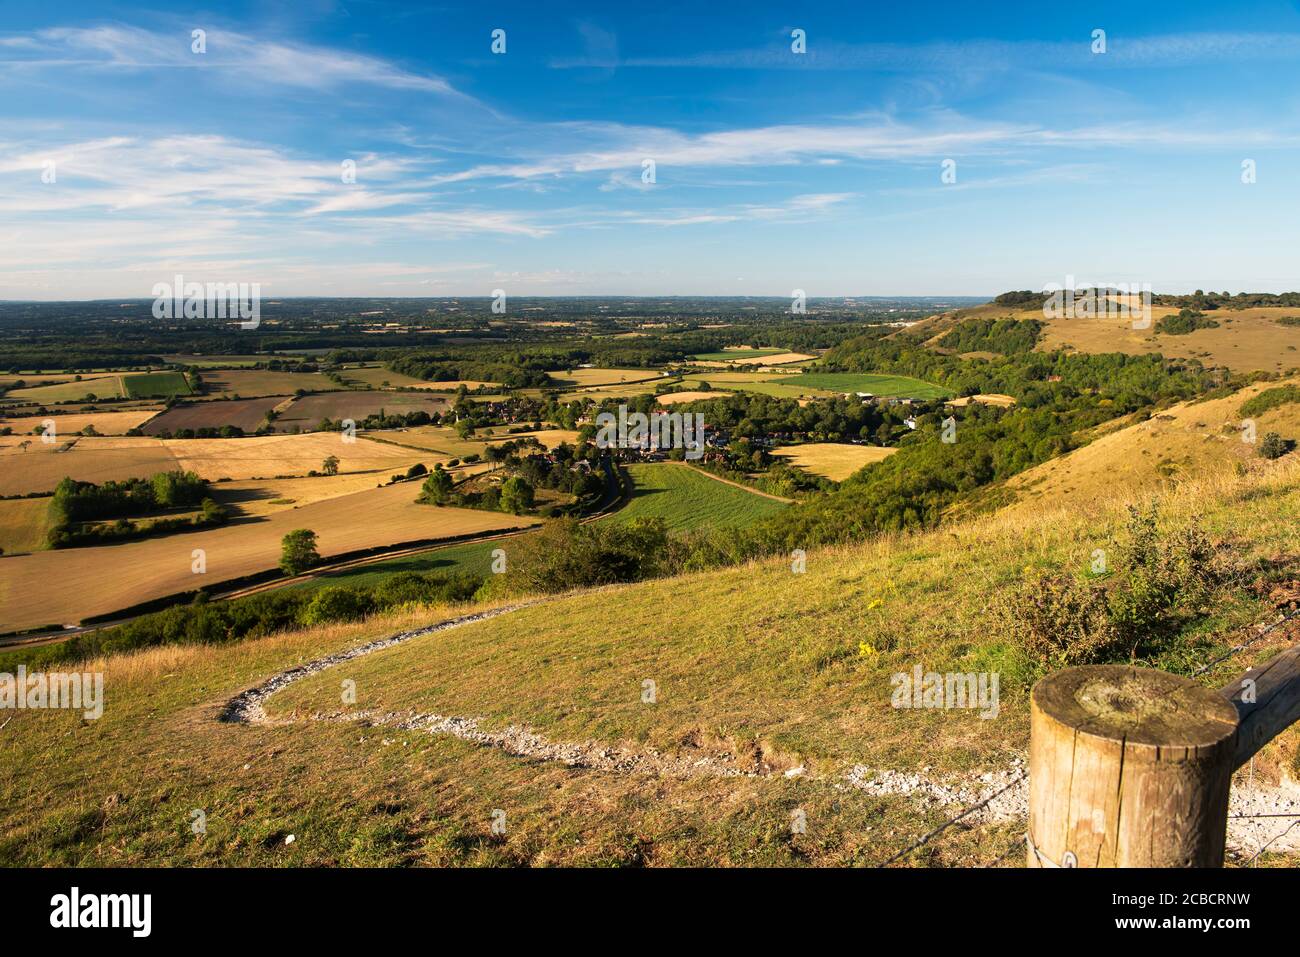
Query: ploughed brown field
[[246, 414], [253, 382], [69, 585]]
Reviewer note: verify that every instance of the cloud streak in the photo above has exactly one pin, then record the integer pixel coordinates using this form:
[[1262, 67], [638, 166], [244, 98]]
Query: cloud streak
[[118, 47]]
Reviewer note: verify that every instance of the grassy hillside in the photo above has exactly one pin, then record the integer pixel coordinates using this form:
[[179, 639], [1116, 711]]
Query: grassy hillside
[[686, 499], [757, 671], [1187, 440]]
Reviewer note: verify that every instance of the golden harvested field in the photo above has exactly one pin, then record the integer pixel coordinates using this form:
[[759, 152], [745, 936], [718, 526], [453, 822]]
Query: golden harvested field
[[251, 382], [1185, 441], [69, 585], [261, 497], [578, 378], [269, 455], [306, 412], [1245, 341], [50, 378], [433, 438], [101, 387], [991, 398], [105, 423], [780, 359], [676, 398], [40, 467], [548, 437], [833, 460], [23, 524]]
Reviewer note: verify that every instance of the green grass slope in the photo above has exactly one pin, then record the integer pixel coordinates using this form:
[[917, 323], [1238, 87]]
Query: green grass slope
[[757, 668], [686, 499]]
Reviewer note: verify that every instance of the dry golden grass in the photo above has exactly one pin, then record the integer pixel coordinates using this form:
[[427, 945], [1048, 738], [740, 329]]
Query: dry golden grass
[[23, 524], [105, 423], [69, 585], [833, 460], [1246, 340], [1189, 440]]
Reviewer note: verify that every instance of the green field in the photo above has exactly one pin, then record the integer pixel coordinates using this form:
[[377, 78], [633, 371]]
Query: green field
[[731, 355], [473, 557], [685, 499], [889, 385], [151, 384]]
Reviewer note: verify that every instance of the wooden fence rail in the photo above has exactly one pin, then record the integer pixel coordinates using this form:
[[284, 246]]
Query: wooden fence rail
[[1130, 767]]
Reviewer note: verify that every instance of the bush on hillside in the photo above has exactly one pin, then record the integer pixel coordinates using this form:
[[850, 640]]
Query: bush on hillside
[[1160, 581]]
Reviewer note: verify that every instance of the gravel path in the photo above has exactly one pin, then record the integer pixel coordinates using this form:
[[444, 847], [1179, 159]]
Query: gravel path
[[1251, 821], [1251, 824], [247, 708]]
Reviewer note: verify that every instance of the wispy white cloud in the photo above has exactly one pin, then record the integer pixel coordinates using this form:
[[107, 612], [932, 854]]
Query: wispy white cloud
[[259, 61], [825, 53]]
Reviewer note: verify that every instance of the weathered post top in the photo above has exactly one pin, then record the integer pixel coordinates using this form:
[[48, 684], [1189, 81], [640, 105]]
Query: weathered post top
[[1128, 767]]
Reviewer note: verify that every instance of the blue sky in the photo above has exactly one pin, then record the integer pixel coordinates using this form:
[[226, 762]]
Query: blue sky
[[524, 171]]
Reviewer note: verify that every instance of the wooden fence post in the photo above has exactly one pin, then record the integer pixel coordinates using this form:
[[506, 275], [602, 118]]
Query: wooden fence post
[[1128, 767]]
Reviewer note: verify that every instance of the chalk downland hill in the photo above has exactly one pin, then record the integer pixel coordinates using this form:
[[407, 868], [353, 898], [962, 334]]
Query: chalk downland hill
[[688, 721]]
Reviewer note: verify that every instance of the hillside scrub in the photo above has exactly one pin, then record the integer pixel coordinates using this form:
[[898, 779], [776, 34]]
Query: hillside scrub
[[1161, 580], [1185, 322], [1269, 399]]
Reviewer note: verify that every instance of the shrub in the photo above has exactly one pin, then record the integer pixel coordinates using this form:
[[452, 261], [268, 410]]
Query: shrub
[[1160, 581], [567, 555], [334, 603], [1274, 446]]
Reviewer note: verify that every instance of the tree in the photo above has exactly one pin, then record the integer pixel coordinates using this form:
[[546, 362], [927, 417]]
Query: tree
[[516, 495], [437, 487], [298, 551], [331, 465]]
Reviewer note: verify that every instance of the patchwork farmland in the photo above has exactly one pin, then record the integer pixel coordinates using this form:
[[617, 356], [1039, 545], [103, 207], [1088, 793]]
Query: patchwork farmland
[[78, 587]]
